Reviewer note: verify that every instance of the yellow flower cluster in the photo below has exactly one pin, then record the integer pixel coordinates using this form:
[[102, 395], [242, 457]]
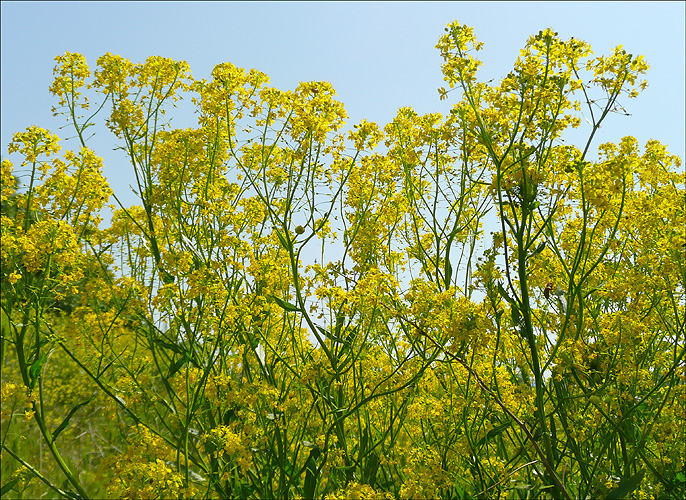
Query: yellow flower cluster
[[70, 73], [32, 144], [424, 474], [230, 444], [357, 491], [14, 397]]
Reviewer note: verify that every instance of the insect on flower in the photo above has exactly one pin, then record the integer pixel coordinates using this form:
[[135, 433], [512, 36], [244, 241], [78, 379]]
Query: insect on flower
[[546, 291]]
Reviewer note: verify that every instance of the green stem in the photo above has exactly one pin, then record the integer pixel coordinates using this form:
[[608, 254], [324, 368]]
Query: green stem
[[47, 436]]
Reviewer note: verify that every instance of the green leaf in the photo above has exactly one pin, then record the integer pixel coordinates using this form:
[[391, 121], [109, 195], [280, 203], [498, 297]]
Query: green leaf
[[323, 331], [498, 315], [169, 345], [504, 293], [311, 474], [370, 470], [330, 335], [35, 370], [166, 277], [283, 241], [65, 422], [516, 316], [626, 486], [237, 285], [176, 366], [363, 444], [538, 250], [102, 372], [8, 486], [286, 306], [448, 271], [493, 433], [5, 334], [44, 341], [523, 486], [230, 416]]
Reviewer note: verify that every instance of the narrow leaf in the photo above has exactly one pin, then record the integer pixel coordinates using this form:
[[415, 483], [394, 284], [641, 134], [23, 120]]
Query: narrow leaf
[[371, 469], [626, 486], [538, 250], [448, 271], [8, 486], [286, 306], [283, 241], [65, 422], [176, 366], [504, 293], [169, 345], [363, 444], [493, 433], [35, 370], [516, 315], [311, 474], [102, 372], [329, 335]]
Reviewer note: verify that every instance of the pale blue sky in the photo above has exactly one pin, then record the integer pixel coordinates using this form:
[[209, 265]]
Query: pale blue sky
[[379, 56]]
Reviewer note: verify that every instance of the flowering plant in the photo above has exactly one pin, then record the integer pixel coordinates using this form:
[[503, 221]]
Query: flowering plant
[[295, 312]]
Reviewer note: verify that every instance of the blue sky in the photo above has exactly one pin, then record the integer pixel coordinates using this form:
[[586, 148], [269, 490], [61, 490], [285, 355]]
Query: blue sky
[[379, 56]]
